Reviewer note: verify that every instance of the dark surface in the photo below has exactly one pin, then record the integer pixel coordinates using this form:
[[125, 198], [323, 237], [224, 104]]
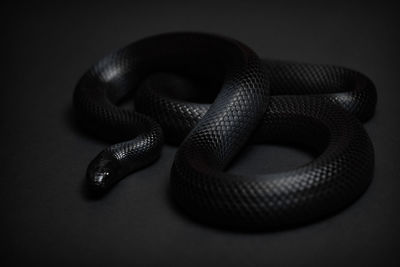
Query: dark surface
[[46, 217]]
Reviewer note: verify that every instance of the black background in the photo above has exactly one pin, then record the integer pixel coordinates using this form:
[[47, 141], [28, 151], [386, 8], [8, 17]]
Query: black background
[[45, 215]]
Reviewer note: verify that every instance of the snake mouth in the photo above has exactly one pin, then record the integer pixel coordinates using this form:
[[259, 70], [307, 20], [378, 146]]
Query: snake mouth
[[102, 173], [98, 181]]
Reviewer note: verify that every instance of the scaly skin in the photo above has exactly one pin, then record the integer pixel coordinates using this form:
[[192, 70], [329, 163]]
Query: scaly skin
[[312, 105]]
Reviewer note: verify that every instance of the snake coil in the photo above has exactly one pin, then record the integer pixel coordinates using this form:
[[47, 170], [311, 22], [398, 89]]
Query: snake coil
[[173, 78]]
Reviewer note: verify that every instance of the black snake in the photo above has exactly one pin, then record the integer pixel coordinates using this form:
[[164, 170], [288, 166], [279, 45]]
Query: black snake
[[172, 78]]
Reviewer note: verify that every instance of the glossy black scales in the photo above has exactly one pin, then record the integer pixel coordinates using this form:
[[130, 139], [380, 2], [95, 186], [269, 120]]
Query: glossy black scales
[[211, 95]]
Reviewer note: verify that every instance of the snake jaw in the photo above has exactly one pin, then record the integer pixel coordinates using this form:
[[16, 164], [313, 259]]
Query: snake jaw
[[102, 173]]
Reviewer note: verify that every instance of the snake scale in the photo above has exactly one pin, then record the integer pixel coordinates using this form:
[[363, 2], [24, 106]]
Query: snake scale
[[212, 95]]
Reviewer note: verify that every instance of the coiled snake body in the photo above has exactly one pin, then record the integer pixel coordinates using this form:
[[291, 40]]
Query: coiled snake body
[[317, 106]]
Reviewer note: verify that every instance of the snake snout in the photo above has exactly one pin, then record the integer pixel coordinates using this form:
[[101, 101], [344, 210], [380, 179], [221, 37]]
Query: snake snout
[[102, 173]]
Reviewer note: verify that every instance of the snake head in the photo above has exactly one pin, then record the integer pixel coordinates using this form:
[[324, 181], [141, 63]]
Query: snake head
[[102, 173]]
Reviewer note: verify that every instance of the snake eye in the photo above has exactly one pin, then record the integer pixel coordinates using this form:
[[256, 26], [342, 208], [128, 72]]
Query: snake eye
[[101, 174], [98, 179]]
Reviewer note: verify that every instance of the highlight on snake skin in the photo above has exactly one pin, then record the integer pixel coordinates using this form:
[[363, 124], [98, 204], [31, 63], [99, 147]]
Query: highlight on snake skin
[[210, 96]]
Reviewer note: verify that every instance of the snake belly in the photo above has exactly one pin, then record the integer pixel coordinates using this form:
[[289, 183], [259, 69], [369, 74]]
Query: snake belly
[[242, 99]]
